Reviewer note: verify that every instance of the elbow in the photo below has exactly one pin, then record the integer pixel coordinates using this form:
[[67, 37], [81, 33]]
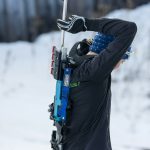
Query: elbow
[[132, 27]]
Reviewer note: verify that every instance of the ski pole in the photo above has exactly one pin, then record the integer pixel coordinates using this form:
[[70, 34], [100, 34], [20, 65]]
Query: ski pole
[[64, 18]]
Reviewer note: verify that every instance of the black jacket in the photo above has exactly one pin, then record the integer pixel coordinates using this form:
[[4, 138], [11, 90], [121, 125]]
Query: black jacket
[[88, 124]]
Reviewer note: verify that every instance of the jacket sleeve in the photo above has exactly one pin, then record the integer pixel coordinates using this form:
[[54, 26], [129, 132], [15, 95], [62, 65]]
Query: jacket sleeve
[[102, 65]]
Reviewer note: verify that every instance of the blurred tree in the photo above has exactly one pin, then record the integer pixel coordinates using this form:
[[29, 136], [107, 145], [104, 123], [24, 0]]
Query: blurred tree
[[15, 20], [25, 19], [104, 6], [81, 7], [135, 3], [2, 21]]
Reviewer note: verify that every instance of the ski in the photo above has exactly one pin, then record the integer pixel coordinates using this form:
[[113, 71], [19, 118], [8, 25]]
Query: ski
[[61, 71]]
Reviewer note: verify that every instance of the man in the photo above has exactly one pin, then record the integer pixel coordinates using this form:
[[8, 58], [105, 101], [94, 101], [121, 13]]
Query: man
[[90, 93]]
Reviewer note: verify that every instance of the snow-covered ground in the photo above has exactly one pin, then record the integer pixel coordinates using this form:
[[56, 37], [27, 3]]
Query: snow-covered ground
[[26, 89]]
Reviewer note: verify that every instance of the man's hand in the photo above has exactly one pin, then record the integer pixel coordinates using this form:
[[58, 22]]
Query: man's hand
[[74, 24]]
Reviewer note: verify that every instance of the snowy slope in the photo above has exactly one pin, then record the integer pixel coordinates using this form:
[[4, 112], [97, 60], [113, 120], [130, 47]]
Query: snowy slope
[[141, 46], [26, 89], [131, 92]]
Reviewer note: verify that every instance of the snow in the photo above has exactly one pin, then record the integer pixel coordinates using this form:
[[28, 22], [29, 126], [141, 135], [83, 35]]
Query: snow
[[130, 125], [26, 89]]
